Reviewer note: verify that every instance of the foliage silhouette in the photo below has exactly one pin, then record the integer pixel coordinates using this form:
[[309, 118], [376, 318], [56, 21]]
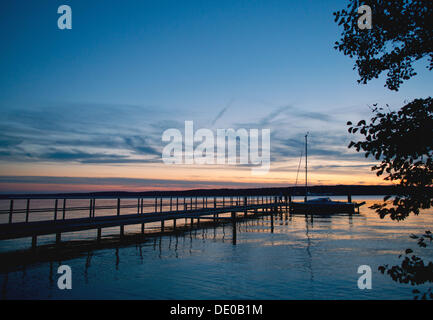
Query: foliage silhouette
[[413, 270], [403, 141], [402, 33]]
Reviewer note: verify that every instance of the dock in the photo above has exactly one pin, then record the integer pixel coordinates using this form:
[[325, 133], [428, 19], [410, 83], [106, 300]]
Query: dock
[[63, 218]]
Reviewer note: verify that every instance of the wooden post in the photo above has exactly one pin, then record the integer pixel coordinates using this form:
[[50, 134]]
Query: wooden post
[[11, 210], [64, 209], [122, 231], [142, 228], [272, 222], [34, 242], [290, 204], [90, 208], [138, 206], [245, 205], [171, 203], [118, 206], [99, 235], [160, 210], [142, 205], [349, 198], [185, 207], [156, 205], [58, 238], [177, 209], [234, 226], [27, 210], [55, 209]]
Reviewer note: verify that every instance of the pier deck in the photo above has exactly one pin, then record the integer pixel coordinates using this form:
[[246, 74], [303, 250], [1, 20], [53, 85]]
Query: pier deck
[[64, 218]]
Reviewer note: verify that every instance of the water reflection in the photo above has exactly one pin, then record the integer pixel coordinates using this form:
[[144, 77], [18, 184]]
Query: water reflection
[[284, 256], [309, 220]]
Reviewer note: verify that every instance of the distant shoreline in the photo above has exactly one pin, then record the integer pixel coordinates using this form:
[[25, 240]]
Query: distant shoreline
[[334, 190]]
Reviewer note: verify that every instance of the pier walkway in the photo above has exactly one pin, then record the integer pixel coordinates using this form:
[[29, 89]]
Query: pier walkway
[[62, 218]]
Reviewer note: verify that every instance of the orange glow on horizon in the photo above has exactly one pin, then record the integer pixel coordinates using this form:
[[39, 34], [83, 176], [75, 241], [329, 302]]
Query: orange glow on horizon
[[180, 177]]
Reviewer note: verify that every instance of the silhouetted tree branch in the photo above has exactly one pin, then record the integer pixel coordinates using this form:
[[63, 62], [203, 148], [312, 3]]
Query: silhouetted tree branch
[[413, 270], [402, 33], [403, 141]]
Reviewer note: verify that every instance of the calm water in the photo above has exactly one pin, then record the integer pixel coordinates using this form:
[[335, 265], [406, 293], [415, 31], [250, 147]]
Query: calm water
[[299, 259]]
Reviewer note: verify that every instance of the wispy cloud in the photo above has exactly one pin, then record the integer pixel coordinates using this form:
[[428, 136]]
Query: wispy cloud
[[126, 134], [221, 113], [85, 133]]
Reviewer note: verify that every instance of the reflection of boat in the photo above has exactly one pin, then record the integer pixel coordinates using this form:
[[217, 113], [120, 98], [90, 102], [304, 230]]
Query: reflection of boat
[[321, 205]]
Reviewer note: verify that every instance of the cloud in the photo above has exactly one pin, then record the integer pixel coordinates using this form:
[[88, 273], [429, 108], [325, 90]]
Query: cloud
[[8, 141], [87, 133], [141, 145], [221, 113], [116, 134]]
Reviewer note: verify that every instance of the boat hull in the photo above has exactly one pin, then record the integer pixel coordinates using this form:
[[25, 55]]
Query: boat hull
[[322, 208]]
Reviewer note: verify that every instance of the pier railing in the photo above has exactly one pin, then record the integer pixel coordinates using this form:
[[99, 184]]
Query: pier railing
[[60, 208]]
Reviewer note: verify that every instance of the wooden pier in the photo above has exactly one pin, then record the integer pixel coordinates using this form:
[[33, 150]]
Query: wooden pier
[[146, 210]]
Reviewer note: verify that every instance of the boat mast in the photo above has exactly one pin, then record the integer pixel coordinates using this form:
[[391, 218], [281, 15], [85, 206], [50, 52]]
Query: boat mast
[[306, 168]]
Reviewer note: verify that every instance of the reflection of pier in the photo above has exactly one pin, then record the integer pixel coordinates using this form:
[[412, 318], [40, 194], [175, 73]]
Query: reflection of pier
[[268, 227], [173, 244], [162, 209]]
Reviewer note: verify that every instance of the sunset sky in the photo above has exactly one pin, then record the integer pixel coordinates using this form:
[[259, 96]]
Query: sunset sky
[[85, 109]]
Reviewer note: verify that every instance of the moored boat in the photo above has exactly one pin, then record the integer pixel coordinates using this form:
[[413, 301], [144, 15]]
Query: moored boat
[[321, 205], [324, 206]]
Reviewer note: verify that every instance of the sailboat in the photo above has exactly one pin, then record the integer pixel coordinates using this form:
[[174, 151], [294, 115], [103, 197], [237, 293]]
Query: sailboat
[[321, 205]]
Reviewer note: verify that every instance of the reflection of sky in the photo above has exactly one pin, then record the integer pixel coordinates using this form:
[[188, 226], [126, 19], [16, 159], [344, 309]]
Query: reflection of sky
[[93, 101], [301, 259]]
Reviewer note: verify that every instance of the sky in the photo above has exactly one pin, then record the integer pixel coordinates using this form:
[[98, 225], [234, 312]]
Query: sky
[[85, 109]]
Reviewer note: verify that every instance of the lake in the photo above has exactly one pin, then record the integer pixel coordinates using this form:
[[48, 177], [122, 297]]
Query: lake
[[301, 258]]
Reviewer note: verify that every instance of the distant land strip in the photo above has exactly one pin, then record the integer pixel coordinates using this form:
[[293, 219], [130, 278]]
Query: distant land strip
[[336, 190]]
